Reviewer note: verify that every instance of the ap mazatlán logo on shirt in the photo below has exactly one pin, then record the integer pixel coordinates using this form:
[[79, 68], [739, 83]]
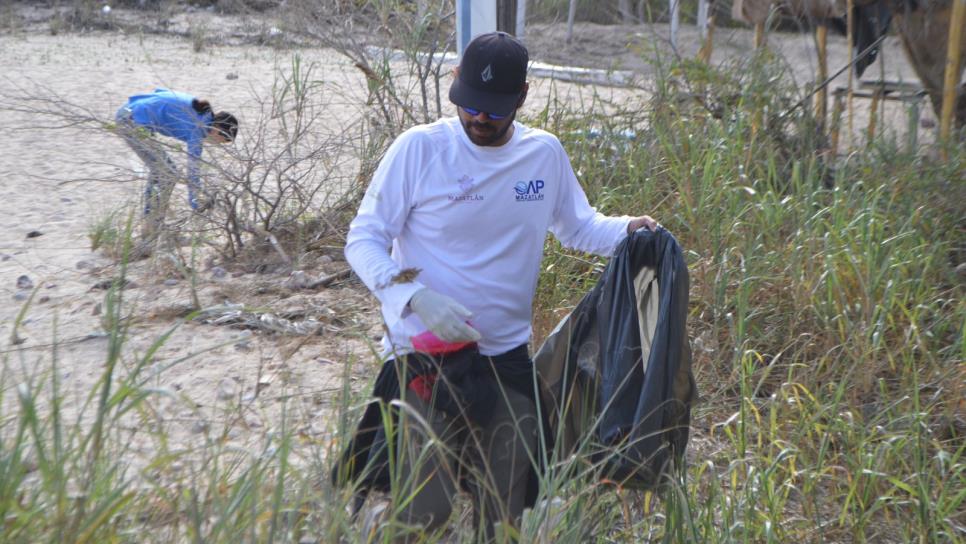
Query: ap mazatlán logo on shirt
[[529, 191]]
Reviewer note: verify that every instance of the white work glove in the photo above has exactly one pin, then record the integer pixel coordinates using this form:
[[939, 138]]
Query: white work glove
[[443, 315]]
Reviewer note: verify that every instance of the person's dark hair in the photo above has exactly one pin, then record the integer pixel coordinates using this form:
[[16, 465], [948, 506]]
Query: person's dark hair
[[226, 124], [201, 106]]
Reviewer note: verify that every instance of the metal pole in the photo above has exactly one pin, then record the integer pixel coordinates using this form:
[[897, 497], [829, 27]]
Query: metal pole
[[675, 22], [506, 12], [953, 49], [571, 14], [521, 19]]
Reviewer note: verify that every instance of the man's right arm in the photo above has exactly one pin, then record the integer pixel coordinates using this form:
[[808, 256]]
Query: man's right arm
[[381, 217]]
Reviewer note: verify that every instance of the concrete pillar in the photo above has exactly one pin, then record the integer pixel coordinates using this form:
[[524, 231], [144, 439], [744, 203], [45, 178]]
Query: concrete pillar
[[473, 17]]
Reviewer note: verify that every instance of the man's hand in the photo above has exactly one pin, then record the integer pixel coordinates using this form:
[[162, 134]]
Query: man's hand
[[444, 316], [645, 221]]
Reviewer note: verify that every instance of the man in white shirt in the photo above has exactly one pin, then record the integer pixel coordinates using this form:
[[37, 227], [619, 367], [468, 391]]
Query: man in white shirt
[[466, 202]]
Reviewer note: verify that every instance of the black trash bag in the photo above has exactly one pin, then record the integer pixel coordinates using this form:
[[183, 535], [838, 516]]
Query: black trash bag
[[619, 365]]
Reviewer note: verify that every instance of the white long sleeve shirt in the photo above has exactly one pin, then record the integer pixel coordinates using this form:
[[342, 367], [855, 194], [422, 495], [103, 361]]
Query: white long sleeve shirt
[[473, 220]]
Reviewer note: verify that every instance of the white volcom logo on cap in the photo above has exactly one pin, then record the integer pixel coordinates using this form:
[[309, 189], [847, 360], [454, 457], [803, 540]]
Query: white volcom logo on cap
[[487, 73]]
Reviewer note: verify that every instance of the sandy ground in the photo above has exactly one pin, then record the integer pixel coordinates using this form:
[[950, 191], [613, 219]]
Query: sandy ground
[[47, 188]]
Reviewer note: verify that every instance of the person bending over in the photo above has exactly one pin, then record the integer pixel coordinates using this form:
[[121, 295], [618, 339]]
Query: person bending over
[[175, 115]]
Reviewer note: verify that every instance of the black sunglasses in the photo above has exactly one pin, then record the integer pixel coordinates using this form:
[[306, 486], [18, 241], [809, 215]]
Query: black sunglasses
[[492, 116]]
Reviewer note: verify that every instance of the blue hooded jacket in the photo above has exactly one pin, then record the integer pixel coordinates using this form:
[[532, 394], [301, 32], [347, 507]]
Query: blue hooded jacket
[[170, 113]]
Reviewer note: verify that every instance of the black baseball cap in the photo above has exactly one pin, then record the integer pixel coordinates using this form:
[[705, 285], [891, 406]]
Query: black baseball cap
[[492, 73]]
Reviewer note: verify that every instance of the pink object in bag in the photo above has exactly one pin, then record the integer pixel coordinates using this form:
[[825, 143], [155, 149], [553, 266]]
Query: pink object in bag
[[430, 344]]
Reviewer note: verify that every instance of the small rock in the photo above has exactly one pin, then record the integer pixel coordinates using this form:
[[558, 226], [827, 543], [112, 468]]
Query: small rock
[[34, 234], [219, 273], [43, 299], [21, 295], [961, 270], [227, 389], [927, 122], [325, 259], [231, 76], [97, 309], [83, 265], [104, 285], [199, 427], [5, 257], [170, 282], [66, 200], [248, 397], [49, 285], [23, 282], [297, 280]]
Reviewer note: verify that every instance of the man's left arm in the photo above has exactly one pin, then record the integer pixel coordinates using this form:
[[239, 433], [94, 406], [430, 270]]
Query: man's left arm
[[579, 226]]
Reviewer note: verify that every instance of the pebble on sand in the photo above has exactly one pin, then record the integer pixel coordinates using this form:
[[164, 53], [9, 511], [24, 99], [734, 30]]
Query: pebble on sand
[[23, 282]]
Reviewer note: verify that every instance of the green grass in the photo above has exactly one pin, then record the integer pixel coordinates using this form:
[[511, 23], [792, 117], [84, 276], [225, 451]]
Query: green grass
[[829, 318], [829, 333]]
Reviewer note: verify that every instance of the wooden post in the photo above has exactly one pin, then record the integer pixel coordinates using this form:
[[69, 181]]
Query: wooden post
[[521, 19], [708, 46], [873, 111], [821, 98], [836, 123], [951, 81], [912, 132], [759, 35]]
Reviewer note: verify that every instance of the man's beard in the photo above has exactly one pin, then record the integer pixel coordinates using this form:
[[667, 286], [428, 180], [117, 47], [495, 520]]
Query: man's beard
[[487, 138]]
